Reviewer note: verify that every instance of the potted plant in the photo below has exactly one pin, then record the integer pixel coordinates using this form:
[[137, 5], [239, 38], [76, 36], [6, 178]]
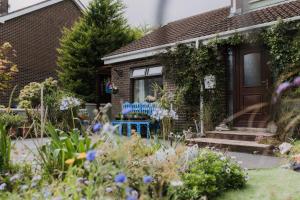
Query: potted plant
[[12, 122]]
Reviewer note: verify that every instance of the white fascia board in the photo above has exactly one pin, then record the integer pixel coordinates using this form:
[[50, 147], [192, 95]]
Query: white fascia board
[[33, 8], [143, 53]]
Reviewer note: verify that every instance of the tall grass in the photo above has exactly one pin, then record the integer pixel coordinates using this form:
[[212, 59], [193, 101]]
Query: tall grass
[[5, 148]]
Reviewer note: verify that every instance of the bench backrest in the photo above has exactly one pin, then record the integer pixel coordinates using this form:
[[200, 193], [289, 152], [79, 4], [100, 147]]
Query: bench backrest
[[145, 107]]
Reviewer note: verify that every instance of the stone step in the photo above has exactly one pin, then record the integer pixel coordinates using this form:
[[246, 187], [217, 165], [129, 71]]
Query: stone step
[[237, 135], [250, 129], [233, 145]]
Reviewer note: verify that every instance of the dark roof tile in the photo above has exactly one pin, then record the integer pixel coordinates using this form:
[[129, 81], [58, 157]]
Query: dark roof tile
[[209, 23]]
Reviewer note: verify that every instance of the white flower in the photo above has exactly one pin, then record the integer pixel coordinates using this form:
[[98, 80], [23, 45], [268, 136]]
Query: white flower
[[223, 158], [69, 102], [176, 183], [24, 187], [108, 190], [15, 177], [36, 178], [228, 170], [2, 186]]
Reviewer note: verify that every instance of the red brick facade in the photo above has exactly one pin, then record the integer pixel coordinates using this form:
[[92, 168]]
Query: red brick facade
[[35, 37], [125, 86]]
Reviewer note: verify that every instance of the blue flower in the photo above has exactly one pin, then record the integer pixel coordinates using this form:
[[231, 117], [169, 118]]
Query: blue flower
[[2, 186], [126, 111], [97, 127], [131, 198], [120, 178], [91, 155], [147, 179]]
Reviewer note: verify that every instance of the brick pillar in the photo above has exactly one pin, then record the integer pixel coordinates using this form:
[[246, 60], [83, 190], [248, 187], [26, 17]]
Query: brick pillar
[[3, 7]]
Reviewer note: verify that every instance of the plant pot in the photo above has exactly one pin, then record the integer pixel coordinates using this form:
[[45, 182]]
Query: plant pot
[[24, 132]]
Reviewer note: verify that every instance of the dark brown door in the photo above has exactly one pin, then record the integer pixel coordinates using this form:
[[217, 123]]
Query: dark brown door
[[252, 88]]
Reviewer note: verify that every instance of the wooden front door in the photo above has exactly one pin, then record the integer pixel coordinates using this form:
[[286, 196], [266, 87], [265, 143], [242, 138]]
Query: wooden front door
[[252, 82]]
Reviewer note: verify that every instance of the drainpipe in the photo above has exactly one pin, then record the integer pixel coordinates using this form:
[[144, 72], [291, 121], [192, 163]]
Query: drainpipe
[[201, 102]]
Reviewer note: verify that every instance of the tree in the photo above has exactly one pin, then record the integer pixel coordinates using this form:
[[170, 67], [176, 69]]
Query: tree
[[7, 68], [101, 30]]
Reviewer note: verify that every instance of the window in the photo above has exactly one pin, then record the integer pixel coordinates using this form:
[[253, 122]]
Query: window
[[252, 70], [143, 85]]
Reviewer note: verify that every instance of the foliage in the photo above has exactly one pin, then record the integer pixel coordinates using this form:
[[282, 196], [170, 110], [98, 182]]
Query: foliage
[[5, 148], [283, 42], [296, 148], [11, 120], [188, 66], [30, 95], [7, 68], [209, 175], [62, 147], [100, 31]]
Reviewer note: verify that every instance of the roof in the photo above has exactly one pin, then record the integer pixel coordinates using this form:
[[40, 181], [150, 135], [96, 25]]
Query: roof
[[32, 8], [203, 26]]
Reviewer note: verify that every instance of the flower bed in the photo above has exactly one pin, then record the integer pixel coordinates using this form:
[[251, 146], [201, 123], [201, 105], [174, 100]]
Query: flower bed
[[71, 167]]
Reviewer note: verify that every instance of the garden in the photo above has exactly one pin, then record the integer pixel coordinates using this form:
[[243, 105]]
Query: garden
[[84, 156]]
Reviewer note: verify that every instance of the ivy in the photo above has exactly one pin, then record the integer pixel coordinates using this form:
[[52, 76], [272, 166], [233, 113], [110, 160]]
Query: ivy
[[187, 66]]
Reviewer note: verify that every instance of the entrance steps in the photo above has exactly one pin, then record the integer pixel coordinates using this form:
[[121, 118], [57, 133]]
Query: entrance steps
[[239, 140]]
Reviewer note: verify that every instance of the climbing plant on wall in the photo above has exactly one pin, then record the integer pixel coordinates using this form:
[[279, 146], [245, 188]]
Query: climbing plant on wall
[[187, 67]]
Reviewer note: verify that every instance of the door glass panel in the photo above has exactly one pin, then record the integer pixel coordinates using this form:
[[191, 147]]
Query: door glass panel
[[252, 70]]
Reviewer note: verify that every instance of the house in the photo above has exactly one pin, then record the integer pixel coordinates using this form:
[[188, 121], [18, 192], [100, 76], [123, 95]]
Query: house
[[135, 66], [34, 33]]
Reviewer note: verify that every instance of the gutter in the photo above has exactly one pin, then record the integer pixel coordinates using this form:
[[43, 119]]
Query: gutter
[[148, 52]]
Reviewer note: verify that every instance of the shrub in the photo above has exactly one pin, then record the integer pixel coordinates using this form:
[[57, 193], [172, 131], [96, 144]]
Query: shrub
[[11, 120], [7, 68], [30, 95], [210, 174], [5, 148]]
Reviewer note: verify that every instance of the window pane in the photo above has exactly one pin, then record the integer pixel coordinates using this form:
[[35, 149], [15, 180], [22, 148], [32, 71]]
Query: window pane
[[155, 71], [138, 73], [144, 88], [139, 90], [252, 70]]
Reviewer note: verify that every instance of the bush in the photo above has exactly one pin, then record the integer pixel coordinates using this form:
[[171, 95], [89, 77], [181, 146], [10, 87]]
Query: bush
[[30, 95], [11, 120], [209, 175]]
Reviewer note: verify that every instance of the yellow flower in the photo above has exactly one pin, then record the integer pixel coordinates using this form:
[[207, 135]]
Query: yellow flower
[[70, 161], [81, 156]]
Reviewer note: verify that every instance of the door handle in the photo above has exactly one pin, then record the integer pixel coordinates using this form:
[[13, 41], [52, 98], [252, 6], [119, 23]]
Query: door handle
[[266, 83]]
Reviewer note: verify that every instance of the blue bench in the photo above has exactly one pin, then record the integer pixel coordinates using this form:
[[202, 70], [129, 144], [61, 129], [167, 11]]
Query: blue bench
[[146, 108]]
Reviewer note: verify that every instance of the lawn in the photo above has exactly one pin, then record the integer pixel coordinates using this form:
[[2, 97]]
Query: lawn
[[272, 184]]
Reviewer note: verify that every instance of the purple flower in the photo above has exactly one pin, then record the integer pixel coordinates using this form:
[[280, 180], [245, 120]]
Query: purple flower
[[91, 155], [296, 81], [97, 127], [282, 87], [147, 179], [120, 178], [126, 111]]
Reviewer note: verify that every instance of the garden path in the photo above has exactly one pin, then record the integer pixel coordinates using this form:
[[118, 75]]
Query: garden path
[[24, 151]]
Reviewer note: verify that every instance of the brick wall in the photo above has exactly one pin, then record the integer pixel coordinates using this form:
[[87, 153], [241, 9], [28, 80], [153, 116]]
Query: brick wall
[[35, 37], [124, 85]]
